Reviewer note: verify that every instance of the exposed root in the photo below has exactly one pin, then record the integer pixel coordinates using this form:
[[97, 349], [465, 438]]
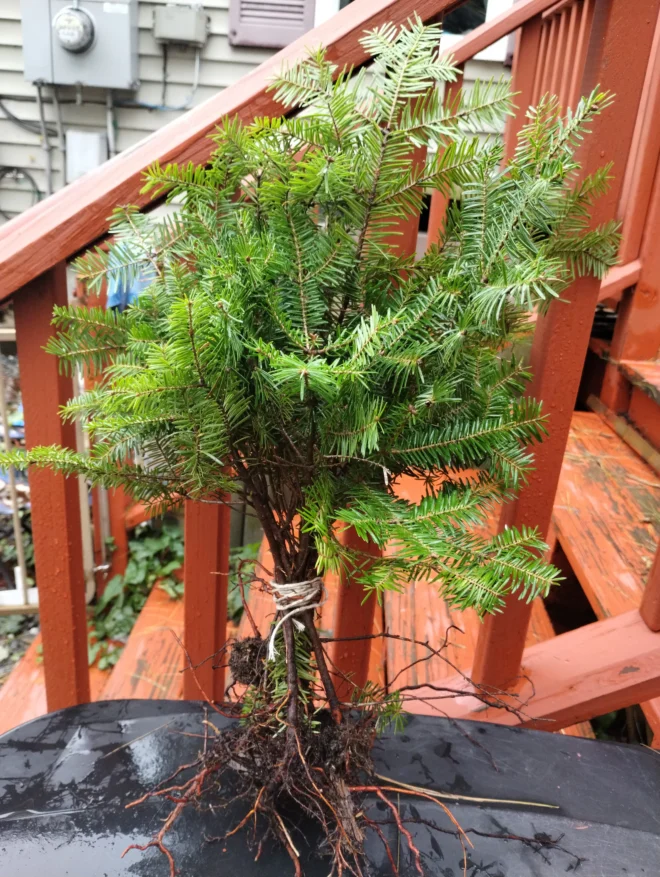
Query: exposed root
[[286, 756]]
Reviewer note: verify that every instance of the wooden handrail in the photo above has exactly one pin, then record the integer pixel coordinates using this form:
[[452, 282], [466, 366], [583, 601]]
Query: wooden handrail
[[77, 215]]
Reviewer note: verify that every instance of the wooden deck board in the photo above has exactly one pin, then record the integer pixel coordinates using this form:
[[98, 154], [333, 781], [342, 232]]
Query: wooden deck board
[[607, 515], [644, 374], [23, 696], [607, 519], [150, 665]]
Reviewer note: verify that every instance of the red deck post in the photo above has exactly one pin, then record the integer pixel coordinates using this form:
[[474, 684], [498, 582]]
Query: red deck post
[[562, 336], [354, 617], [205, 574], [117, 504], [54, 498]]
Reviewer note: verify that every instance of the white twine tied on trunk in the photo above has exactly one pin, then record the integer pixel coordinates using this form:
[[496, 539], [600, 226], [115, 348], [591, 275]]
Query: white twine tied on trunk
[[295, 598]]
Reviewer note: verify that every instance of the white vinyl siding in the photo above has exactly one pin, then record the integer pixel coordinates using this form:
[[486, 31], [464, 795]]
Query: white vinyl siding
[[221, 65]]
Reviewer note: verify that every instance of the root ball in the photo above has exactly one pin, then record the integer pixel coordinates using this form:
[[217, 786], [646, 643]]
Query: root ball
[[246, 661]]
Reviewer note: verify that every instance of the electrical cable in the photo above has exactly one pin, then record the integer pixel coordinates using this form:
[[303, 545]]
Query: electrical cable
[[19, 173], [185, 105], [32, 127], [110, 124], [45, 142], [60, 127]]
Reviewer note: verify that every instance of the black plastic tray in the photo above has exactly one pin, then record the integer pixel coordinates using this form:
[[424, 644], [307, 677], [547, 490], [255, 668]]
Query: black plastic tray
[[65, 779]]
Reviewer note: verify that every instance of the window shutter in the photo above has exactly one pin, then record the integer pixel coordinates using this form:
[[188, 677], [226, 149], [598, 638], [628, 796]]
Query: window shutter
[[270, 24]]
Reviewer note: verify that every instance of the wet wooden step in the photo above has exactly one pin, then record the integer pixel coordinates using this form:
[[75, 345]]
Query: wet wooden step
[[607, 520], [607, 515], [23, 696], [644, 374], [150, 665]]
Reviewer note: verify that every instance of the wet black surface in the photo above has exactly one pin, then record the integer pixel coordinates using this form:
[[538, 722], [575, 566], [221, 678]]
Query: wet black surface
[[65, 780]]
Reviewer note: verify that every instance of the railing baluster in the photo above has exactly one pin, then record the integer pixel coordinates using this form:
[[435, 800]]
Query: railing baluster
[[560, 53], [637, 330], [546, 75], [117, 505], [540, 62], [562, 336], [569, 57], [206, 580], [529, 48], [582, 45], [54, 499], [638, 183], [440, 200]]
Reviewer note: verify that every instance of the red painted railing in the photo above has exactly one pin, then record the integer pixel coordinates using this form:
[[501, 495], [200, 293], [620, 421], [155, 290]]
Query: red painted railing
[[566, 47]]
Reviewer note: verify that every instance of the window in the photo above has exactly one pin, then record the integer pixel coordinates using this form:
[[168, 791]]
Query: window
[[466, 17]]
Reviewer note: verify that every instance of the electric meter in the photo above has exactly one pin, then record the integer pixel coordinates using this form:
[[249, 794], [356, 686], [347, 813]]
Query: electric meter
[[74, 29], [85, 43]]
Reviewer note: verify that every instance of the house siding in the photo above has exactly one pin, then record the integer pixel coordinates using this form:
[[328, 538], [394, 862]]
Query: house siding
[[221, 66]]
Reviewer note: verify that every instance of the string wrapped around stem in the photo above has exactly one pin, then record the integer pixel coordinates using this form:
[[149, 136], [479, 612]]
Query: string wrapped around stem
[[294, 599]]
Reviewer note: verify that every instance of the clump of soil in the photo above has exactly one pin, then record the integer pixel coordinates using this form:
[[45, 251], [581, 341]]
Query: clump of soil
[[247, 660]]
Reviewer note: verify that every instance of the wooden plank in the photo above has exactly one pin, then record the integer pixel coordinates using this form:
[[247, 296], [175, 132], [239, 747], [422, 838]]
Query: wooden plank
[[607, 521], [598, 668], [525, 59], [23, 696], [644, 374], [561, 336], [638, 183], [625, 431], [606, 516], [150, 665], [206, 581], [637, 330], [55, 499], [618, 279], [644, 413]]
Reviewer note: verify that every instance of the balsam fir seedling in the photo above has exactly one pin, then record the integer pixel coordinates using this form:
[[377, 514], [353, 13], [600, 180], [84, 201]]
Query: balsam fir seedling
[[286, 353]]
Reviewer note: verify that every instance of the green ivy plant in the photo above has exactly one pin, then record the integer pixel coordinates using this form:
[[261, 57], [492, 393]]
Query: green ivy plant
[[155, 554]]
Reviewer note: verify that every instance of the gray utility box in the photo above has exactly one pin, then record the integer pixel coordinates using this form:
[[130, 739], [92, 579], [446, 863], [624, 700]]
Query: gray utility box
[[94, 43], [186, 25]]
